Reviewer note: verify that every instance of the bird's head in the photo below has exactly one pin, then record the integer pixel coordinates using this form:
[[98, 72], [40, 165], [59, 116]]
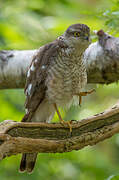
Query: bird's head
[[77, 35]]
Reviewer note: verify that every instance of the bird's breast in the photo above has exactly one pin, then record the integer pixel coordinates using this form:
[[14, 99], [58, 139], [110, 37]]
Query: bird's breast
[[66, 77]]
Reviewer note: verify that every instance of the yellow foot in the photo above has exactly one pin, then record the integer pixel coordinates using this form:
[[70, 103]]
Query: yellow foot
[[84, 94], [69, 123]]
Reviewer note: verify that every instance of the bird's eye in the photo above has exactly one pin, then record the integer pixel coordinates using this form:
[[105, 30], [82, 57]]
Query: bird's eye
[[76, 34]]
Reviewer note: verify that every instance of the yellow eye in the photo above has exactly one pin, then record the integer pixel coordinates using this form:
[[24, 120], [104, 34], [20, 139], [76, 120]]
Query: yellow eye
[[76, 34]]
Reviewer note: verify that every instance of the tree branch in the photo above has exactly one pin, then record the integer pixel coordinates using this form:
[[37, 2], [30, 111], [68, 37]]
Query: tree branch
[[13, 68], [101, 59], [16, 137]]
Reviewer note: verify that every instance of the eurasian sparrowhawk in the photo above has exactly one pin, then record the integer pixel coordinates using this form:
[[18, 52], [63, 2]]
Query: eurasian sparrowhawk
[[57, 74]]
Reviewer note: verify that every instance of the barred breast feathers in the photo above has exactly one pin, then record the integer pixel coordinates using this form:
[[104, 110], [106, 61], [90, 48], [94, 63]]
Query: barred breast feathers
[[67, 75]]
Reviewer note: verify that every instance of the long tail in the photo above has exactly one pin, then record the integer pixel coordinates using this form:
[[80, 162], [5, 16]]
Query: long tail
[[44, 113], [28, 162]]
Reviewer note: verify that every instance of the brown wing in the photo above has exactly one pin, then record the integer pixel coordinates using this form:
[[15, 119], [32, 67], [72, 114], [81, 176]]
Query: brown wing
[[35, 85]]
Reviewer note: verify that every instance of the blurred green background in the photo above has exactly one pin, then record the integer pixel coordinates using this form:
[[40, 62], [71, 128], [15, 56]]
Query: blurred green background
[[28, 24]]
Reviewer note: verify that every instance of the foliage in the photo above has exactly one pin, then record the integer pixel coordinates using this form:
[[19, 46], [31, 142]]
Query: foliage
[[30, 24]]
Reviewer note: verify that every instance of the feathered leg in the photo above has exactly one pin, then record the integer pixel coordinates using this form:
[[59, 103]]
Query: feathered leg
[[61, 120]]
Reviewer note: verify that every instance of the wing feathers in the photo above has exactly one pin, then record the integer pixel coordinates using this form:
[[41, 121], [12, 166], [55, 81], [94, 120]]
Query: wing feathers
[[35, 85]]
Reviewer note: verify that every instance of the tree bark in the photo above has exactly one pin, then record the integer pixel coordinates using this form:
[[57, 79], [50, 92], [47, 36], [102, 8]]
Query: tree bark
[[13, 68], [16, 137]]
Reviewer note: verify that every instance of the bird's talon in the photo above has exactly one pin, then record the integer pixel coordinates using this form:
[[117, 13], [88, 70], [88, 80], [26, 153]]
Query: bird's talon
[[84, 94], [79, 104], [62, 122], [70, 126], [67, 123]]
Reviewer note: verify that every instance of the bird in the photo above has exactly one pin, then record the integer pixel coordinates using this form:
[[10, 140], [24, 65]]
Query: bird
[[56, 75]]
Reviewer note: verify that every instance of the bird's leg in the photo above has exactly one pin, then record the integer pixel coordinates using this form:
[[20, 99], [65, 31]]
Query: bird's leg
[[58, 113], [61, 120], [84, 94]]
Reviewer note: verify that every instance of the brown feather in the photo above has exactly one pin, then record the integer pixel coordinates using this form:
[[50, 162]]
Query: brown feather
[[37, 77]]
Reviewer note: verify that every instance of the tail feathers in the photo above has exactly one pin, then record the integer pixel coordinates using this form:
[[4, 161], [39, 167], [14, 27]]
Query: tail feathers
[[28, 162], [44, 113]]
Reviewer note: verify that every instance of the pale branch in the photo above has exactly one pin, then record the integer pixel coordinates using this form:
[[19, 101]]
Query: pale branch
[[19, 137], [13, 67], [101, 59]]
